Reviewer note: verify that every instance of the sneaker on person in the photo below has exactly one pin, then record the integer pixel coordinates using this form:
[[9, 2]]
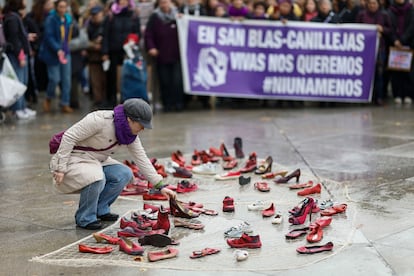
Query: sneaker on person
[[21, 115], [257, 206], [207, 168], [238, 230], [398, 100], [30, 112], [407, 101]]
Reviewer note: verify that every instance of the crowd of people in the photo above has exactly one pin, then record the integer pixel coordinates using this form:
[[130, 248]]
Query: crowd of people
[[79, 46]]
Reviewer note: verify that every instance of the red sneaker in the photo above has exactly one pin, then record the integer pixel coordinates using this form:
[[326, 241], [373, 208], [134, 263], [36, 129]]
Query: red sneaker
[[228, 204], [227, 176], [245, 241], [185, 186]]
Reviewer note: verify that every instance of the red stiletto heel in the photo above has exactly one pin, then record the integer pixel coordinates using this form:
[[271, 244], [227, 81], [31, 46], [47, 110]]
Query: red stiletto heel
[[300, 216]]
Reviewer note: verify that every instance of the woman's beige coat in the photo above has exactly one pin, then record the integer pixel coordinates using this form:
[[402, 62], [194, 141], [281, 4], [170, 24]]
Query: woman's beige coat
[[81, 168]]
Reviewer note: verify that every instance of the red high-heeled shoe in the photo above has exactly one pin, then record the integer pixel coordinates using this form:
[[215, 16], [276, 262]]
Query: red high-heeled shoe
[[300, 216], [295, 173]]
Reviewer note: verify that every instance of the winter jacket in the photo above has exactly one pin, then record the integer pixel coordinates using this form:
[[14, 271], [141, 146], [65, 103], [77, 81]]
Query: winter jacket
[[81, 168], [52, 38], [163, 36], [406, 34], [15, 34], [116, 29]]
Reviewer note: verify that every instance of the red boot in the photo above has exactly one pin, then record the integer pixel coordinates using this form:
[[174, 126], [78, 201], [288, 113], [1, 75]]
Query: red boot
[[163, 222]]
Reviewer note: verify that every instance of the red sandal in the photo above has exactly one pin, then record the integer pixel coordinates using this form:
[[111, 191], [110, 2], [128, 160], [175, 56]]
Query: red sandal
[[204, 252], [262, 186]]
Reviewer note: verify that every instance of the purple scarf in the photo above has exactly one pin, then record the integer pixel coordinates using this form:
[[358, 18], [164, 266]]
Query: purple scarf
[[123, 132], [400, 11], [117, 9]]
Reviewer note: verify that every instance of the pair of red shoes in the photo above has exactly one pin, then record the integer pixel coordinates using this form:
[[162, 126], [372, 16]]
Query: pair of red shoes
[[125, 245], [315, 234]]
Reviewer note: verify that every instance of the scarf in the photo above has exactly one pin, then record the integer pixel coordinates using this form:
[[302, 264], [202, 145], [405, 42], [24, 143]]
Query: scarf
[[117, 9], [166, 17], [400, 11], [123, 132]]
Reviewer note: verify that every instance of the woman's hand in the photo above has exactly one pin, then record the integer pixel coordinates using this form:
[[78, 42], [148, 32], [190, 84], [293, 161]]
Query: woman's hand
[[58, 176], [168, 193]]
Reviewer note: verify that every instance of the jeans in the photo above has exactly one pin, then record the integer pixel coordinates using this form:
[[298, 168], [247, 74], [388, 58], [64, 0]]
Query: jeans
[[60, 73], [96, 198], [22, 74]]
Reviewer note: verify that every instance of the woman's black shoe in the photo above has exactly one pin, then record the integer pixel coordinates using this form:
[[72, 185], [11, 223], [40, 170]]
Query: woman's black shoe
[[109, 217], [92, 226]]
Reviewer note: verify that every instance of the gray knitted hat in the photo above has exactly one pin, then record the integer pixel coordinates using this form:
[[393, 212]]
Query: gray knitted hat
[[138, 110]]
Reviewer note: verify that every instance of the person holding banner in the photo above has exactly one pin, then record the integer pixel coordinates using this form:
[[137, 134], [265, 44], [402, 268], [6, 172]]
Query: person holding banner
[[374, 15], [402, 18]]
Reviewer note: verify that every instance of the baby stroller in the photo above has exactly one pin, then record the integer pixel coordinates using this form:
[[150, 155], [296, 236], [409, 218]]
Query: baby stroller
[[134, 71]]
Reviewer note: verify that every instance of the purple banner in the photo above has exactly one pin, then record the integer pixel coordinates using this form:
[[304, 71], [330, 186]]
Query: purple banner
[[269, 60]]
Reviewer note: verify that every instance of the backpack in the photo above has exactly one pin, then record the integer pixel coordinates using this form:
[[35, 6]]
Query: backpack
[[56, 139]]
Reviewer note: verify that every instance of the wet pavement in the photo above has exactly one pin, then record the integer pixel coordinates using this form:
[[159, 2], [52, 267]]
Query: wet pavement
[[362, 155]]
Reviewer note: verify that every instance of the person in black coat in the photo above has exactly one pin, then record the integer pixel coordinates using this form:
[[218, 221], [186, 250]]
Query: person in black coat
[[325, 13], [121, 21], [402, 35]]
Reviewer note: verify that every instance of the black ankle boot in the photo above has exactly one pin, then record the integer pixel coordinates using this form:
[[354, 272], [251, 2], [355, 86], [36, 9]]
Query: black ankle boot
[[238, 147]]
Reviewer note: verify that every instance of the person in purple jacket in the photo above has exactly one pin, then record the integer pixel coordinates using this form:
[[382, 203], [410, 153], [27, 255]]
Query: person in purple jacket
[[238, 10], [161, 42]]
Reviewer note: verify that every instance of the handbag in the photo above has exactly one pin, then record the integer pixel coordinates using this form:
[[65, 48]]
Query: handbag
[[11, 89], [56, 139]]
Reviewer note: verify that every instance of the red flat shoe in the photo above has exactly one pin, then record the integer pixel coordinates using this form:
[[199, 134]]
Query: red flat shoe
[[301, 185], [322, 221], [315, 234], [95, 250], [154, 197], [204, 252], [187, 224], [130, 247], [295, 233], [315, 249], [262, 186], [100, 237], [168, 253], [336, 209], [312, 190], [269, 212]]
